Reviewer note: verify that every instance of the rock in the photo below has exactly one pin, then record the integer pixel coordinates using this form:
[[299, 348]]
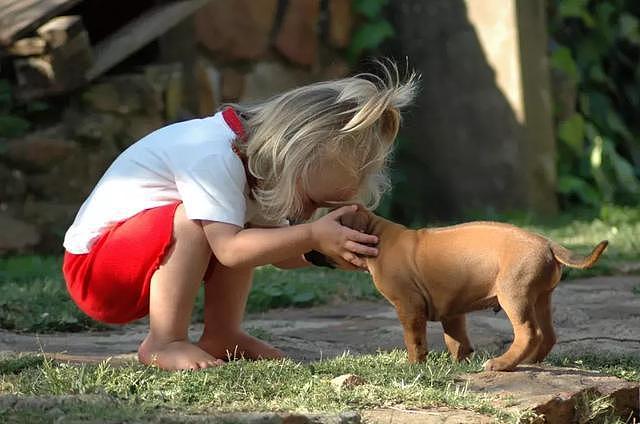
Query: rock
[[269, 78], [138, 126], [39, 150], [340, 23], [208, 83], [167, 79], [265, 418], [51, 219], [124, 94], [236, 29], [42, 213], [95, 128], [442, 415], [16, 236], [30, 46], [71, 180], [297, 39], [60, 30], [233, 85], [347, 381], [13, 185], [336, 69], [554, 393]]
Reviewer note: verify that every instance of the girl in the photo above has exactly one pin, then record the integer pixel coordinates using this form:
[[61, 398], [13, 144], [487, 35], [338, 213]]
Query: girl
[[208, 199]]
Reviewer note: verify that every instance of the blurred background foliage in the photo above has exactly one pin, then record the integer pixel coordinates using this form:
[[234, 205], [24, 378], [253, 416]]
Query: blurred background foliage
[[594, 53]]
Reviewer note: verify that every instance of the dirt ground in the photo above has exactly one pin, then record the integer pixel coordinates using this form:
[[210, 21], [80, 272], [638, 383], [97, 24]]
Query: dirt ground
[[600, 314]]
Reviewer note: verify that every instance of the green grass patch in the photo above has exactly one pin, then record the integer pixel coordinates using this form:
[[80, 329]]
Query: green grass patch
[[281, 385], [626, 367], [33, 296]]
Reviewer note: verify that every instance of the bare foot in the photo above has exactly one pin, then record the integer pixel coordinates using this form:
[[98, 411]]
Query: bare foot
[[240, 345], [178, 355]]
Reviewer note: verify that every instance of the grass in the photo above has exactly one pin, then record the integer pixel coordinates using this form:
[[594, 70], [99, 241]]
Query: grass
[[33, 296], [249, 386], [626, 367], [44, 390]]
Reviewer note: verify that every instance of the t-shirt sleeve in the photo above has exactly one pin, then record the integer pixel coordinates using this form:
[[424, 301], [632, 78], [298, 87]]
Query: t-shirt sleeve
[[213, 189]]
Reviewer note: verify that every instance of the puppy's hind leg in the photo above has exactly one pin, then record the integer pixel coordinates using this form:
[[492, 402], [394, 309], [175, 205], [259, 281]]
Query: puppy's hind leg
[[527, 335], [545, 323], [456, 338]]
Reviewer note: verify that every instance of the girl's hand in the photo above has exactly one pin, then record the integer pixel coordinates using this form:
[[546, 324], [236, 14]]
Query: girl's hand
[[342, 244]]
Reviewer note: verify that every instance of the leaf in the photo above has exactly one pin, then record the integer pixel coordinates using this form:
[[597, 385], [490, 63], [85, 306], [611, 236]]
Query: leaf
[[562, 60], [571, 131], [604, 11], [369, 8], [590, 51], [569, 184], [597, 74], [629, 28], [595, 105], [13, 126], [616, 125], [368, 37], [622, 169], [576, 9]]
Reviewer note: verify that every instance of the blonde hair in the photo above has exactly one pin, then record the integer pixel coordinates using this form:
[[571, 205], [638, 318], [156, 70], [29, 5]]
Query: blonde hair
[[352, 120]]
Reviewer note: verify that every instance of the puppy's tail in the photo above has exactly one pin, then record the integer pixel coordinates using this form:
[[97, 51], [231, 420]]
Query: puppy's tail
[[568, 258]]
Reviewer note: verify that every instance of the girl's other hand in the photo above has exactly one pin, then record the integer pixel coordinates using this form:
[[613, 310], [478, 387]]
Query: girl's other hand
[[343, 245]]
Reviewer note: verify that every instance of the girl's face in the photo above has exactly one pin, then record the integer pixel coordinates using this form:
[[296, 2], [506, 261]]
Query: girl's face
[[329, 186]]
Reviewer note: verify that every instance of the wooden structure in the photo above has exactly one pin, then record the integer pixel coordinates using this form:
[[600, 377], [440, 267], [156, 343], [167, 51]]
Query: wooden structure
[[52, 52]]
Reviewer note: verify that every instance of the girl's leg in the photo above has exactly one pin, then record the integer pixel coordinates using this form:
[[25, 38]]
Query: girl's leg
[[172, 293], [226, 293]]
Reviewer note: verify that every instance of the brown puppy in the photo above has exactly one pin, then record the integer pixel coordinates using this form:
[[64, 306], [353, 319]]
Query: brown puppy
[[440, 274]]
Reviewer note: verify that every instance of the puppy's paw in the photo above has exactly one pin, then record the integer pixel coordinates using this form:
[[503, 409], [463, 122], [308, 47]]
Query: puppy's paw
[[496, 365], [462, 354]]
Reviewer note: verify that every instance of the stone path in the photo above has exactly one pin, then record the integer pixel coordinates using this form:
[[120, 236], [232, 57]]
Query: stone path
[[595, 315], [600, 314]]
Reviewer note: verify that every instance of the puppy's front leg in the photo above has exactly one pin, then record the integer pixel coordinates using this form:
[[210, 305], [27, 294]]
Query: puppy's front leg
[[413, 316], [456, 338]]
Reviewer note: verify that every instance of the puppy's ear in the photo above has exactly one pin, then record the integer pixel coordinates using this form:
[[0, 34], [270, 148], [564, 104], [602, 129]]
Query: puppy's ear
[[390, 124], [358, 220]]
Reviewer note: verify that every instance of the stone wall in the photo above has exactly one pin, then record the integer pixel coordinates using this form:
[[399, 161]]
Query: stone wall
[[246, 50]]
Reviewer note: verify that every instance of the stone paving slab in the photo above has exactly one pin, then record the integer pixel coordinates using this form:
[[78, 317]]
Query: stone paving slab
[[554, 393], [600, 314]]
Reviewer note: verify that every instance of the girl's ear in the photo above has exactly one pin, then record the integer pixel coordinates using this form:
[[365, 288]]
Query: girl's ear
[[389, 124]]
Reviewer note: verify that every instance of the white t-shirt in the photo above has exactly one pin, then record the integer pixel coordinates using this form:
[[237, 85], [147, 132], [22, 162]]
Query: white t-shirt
[[191, 161]]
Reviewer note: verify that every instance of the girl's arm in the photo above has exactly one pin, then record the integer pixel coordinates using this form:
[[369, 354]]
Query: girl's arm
[[237, 247]]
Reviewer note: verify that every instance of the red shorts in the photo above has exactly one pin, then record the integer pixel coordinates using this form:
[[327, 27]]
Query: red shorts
[[111, 282]]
